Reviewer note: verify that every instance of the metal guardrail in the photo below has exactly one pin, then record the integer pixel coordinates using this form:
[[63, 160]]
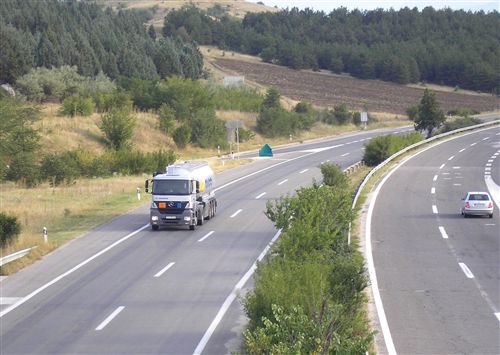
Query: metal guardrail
[[17, 255], [403, 151]]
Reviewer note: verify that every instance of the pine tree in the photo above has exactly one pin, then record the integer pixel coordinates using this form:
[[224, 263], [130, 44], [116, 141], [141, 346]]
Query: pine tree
[[428, 116]]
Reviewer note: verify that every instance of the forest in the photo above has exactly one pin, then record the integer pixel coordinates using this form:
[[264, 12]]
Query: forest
[[51, 33], [455, 48]]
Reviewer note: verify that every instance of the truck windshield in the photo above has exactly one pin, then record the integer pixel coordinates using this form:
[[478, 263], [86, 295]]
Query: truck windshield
[[171, 187]]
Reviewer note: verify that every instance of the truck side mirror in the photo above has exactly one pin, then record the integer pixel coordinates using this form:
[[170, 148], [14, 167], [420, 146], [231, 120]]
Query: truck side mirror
[[197, 187], [146, 186]]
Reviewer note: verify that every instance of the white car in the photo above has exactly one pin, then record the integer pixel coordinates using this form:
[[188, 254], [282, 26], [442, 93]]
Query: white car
[[477, 204]]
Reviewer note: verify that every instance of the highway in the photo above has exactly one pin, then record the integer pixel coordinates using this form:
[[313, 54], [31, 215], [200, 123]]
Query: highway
[[124, 289], [438, 273]]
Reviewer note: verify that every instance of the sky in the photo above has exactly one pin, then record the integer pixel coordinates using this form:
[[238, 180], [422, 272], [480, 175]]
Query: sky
[[329, 5]]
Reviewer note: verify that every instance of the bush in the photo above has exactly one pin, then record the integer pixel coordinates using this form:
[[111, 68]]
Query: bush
[[77, 105], [182, 136], [118, 127], [459, 123], [207, 131], [380, 148], [24, 169], [240, 98], [463, 111], [106, 101], [334, 176], [58, 169], [276, 121], [9, 229]]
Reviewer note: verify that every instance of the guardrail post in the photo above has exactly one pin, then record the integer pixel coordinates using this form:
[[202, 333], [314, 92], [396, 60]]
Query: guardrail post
[[45, 234]]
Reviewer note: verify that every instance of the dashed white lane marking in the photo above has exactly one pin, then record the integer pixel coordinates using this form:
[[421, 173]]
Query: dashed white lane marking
[[490, 160], [466, 271], [435, 178], [206, 236], [434, 209], [260, 195], [497, 314], [69, 272], [9, 300], [433, 190], [232, 296], [487, 169], [484, 139], [461, 150], [456, 167], [457, 184], [451, 158], [303, 171], [473, 144], [442, 166], [443, 232], [162, 271], [235, 213], [110, 318], [344, 155], [446, 173], [488, 164], [282, 182]]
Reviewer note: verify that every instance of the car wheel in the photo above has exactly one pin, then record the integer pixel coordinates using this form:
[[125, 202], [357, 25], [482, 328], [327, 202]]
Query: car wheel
[[465, 215], [155, 227], [491, 215]]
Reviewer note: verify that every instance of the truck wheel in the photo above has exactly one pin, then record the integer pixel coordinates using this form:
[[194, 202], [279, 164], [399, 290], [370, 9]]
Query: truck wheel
[[155, 227], [192, 227], [209, 216], [201, 220]]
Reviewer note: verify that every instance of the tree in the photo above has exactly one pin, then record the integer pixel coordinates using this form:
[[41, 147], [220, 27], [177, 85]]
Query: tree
[[428, 116], [167, 118], [272, 98], [118, 127], [182, 136]]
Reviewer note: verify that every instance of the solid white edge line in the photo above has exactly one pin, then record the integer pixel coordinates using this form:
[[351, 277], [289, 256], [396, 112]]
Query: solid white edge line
[[206, 236], [259, 196], [386, 332], [282, 182], [110, 318], [60, 277], [443, 232], [162, 271], [466, 271], [303, 171], [434, 209], [232, 296], [235, 213]]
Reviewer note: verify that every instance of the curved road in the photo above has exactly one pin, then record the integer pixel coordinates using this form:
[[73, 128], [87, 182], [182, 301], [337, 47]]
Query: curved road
[[124, 289], [438, 273]]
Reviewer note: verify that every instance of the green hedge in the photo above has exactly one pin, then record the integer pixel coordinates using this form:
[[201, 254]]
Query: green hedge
[[380, 148], [9, 229]]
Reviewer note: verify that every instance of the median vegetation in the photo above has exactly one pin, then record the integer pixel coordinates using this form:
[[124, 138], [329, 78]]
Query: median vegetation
[[308, 295]]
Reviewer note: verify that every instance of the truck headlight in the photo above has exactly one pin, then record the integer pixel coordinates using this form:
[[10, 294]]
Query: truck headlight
[[187, 219], [154, 218]]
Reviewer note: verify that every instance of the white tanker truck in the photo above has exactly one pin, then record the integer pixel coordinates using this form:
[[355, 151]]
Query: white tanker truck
[[183, 195]]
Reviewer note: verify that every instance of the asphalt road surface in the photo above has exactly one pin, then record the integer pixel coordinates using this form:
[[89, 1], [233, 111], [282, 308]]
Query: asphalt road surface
[[439, 273], [124, 289]]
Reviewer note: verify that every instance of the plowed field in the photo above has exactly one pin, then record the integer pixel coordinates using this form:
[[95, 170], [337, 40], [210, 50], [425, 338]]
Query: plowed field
[[326, 90]]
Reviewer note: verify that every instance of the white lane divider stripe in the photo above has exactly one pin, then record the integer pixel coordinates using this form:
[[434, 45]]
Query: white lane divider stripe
[[443, 232], [434, 209], [206, 236], [259, 196], [344, 155], [466, 271], [497, 314], [442, 166], [282, 182], [162, 271], [451, 158], [110, 318], [484, 139], [433, 190], [232, 296], [303, 171], [473, 144], [69, 272], [461, 150], [456, 167], [235, 213], [435, 178]]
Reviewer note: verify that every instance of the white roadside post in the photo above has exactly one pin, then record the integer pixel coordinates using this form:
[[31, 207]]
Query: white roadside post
[[139, 194], [45, 233]]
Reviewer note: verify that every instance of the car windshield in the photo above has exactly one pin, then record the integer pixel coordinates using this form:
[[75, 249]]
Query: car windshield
[[479, 197], [171, 187]]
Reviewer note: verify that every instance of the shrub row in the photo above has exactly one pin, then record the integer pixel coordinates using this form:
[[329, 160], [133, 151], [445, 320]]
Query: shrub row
[[380, 148], [459, 123], [308, 295], [64, 168], [9, 229]]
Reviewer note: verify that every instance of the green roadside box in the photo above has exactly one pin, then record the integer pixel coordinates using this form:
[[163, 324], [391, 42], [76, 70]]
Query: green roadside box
[[265, 151]]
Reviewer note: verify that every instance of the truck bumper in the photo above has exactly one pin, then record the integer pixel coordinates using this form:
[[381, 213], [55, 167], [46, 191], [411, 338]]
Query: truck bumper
[[185, 218]]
